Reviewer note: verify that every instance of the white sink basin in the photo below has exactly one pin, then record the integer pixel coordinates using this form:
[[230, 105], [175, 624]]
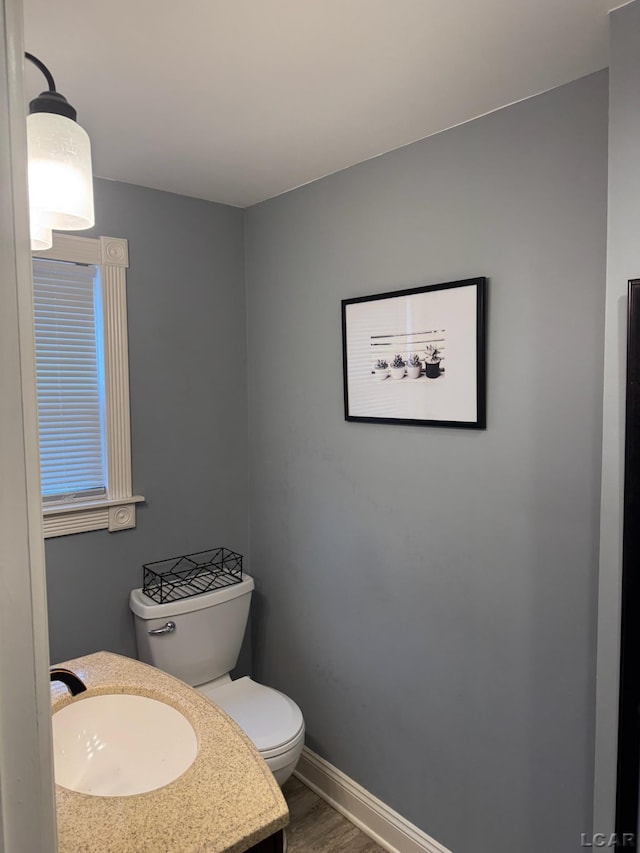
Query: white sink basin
[[119, 744]]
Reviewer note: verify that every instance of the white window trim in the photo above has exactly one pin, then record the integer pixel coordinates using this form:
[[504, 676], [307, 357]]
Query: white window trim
[[117, 510]]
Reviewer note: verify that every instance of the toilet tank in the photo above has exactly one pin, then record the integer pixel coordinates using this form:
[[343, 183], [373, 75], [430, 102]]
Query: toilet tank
[[208, 631]]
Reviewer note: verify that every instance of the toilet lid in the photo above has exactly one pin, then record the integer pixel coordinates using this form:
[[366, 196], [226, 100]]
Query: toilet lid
[[269, 717]]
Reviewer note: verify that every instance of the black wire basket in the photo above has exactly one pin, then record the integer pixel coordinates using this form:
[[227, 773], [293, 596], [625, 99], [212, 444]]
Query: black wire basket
[[191, 574]]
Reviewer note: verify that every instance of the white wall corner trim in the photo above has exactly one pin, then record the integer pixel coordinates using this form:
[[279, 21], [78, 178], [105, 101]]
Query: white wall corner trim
[[384, 825]]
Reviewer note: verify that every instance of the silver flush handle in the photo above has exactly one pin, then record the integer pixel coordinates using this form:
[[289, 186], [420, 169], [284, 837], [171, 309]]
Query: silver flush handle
[[169, 628]]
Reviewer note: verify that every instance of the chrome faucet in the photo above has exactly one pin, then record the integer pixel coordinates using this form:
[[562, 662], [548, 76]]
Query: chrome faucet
[[71, 681]]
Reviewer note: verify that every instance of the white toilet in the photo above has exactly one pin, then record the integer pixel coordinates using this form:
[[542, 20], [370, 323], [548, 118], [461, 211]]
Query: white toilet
[[198, 640]]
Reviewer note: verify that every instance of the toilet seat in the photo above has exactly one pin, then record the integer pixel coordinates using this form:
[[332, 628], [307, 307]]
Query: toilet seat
[[272, 720]]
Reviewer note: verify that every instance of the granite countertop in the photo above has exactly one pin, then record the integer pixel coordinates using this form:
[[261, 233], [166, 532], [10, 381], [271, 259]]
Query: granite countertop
[[228, 800]]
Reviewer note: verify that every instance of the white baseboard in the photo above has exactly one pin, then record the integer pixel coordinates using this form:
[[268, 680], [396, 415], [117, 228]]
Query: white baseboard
[[385, 826]]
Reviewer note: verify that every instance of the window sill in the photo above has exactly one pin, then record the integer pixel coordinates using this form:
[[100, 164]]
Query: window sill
[[112, 515]]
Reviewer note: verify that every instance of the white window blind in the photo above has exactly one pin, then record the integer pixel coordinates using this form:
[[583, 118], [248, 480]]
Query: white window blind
[[70, 378]]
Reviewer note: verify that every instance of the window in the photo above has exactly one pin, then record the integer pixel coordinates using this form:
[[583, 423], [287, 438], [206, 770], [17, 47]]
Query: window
[[70, 370], [79, 291]]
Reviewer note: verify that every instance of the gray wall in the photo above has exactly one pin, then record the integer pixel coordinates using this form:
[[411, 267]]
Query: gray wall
[[428, 595], [187, 343], [623, 263]]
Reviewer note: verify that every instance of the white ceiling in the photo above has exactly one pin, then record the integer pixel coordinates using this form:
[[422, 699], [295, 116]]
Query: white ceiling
[[237, 101]]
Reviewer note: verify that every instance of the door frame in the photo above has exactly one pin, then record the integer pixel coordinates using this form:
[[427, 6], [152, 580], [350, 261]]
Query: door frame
[[628, 758], [27, 803]]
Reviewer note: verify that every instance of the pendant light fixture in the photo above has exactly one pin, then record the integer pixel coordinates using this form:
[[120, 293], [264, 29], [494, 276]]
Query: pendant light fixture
[[59, 166]]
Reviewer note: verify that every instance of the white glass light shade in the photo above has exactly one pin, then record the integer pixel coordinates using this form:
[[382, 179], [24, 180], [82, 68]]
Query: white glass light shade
[[41, 237], [60, 176]]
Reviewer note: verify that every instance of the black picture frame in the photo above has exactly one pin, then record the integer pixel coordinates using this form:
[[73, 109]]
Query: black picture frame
[[443, 326]]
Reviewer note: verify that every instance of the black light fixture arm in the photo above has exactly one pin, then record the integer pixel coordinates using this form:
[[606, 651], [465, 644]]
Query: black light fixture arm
[[39, 64], [50, 101]]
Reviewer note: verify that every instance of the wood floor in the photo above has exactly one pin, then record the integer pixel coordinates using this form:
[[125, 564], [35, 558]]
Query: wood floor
[[317, 828]]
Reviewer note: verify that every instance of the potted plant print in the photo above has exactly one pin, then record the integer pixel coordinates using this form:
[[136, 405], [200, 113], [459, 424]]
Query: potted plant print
[[381, 369], [414, 366], [433, 357], [398, 366]]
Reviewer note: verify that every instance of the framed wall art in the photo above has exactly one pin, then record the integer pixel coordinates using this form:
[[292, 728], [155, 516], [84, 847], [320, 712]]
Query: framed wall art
[[417, 356]]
